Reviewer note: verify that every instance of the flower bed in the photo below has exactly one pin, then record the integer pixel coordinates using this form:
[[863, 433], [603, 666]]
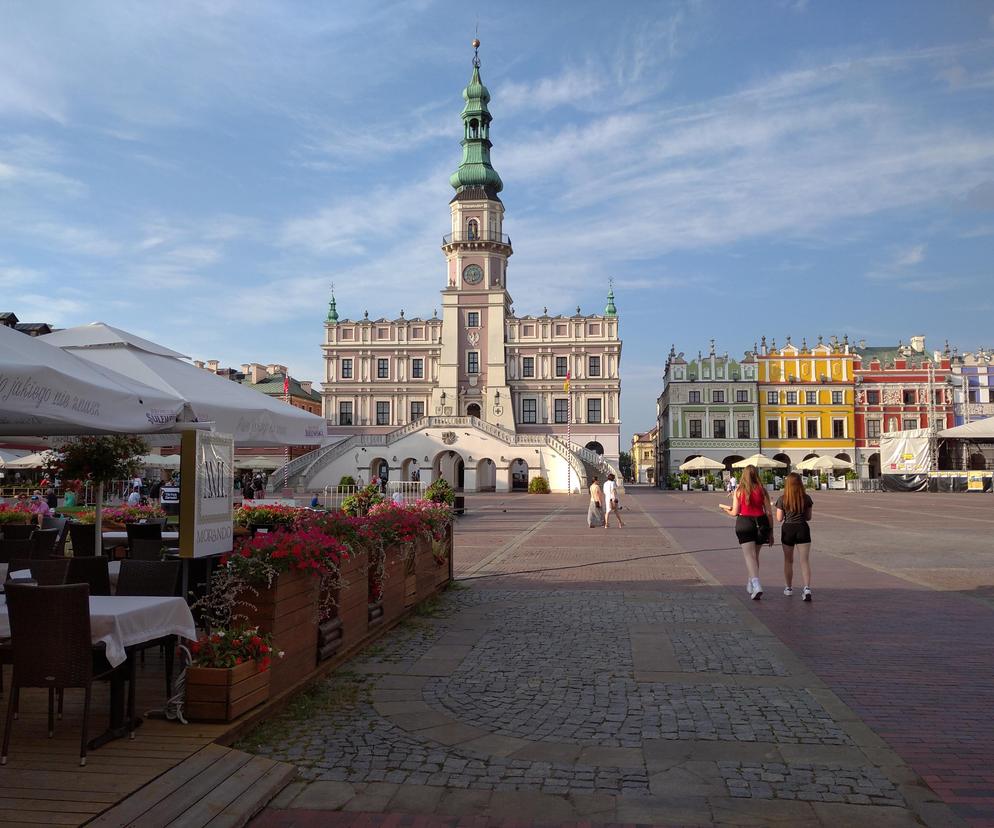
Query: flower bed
[[121, 515], [15, 513], [229, 674]]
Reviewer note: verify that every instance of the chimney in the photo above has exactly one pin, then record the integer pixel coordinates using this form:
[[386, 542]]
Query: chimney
[[213, 365], [254, 372], [276, 368], [199, 363], [918, 344], [306, 385]]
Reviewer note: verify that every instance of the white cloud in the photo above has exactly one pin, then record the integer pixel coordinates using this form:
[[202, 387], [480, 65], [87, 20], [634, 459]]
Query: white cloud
[[912, 256]]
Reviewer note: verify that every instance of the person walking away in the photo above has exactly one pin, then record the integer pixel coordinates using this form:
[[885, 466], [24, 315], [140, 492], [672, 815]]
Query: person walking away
[[794, 509], [135, 498], [595, 511], [753, 515], [611, 505]]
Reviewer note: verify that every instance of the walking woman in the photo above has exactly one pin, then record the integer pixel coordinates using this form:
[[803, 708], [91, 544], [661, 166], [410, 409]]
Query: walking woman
[[595, 511], [794, 511], [753, 515]]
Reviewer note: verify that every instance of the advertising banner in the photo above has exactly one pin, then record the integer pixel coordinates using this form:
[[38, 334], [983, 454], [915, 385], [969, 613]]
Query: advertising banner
[[905, 452], [206, 494]]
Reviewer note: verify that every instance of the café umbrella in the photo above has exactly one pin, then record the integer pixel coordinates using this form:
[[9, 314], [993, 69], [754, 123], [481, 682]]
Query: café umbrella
[[824, 464], [252, 418], [760, 461], [701, 464]]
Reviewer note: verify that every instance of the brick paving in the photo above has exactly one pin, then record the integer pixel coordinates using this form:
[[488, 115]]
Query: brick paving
[[589, 677]]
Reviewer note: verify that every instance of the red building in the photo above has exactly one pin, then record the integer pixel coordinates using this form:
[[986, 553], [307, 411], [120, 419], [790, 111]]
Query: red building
[[893, 387]]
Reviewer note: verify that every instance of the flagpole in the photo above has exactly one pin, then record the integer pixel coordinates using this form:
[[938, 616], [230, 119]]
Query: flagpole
[[286, 449]]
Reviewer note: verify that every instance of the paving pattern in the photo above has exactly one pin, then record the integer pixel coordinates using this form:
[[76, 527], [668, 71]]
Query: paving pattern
[[634, 693]]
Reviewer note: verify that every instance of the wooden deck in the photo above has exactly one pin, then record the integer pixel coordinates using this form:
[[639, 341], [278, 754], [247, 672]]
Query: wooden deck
[[43, 784]]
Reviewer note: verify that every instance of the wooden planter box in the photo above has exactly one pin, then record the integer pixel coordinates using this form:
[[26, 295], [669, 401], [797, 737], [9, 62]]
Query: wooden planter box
[[223, 694], [394, 585], [353, 598], [289, 611], [425, 569]]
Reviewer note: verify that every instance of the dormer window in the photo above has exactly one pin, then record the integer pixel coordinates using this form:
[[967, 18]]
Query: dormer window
[[472, 229]]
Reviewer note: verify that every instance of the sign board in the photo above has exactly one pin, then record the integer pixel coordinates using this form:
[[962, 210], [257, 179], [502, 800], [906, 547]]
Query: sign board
[[169, 494], [206, 496], [975, 481], [905, 452]]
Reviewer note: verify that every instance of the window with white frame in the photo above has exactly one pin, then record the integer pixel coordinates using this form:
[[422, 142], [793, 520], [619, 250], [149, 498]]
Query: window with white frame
[[873, 429], [594, 410], [773, 429], [837, 397], [594, 366], [813, 427], [562, 366], [743, 429], [417, 369], [695, 429], [694, 396], [811, 397], [472, 362], [473, 319], [382, 413], [529, 410], [838, 428], [383, 369], [527, 366], [741, 395], [718, 429], [561, 410], [346, 369], [718, 396], [417, 411], [772, 398], [910, 423], [793, 429], [345, 413]]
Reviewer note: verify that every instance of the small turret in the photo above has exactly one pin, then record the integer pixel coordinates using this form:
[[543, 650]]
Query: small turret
[[332, 310], [610, 310]]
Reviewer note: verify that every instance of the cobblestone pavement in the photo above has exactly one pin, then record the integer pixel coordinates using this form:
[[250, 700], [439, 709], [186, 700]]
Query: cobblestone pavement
[[630, 692]]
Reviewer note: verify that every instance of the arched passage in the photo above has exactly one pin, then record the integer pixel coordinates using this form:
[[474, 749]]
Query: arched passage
[[486, 475], [408, 468], [449, 464], [809, 456], [473, 410], [379, 467], [977, 462], [593, 445], [782, 458], [732, 458], [519, 474], [843, 456], [873, 465]]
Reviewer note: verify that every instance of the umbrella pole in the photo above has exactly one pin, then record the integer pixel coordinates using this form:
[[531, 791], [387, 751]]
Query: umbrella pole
[[98, 518]]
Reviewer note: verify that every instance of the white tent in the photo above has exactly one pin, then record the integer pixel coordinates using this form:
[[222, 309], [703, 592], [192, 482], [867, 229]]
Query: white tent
[[160, 461], [47, 391], [701, 464], [760, 461], [38, 460], [6, 455], [252, 418], [258, 463], [977, 430]]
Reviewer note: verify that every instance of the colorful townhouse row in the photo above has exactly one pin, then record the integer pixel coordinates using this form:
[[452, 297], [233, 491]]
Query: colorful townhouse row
[[797, 401]]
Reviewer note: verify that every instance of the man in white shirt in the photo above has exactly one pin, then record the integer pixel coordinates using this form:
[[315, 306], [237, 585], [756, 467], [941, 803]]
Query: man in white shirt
[[611, 501], [135, 498]]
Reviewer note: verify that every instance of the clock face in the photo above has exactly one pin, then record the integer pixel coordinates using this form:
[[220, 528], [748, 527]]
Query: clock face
[[472, 274]]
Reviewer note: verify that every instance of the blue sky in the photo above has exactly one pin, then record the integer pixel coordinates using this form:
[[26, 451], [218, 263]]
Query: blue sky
[[199, 172]]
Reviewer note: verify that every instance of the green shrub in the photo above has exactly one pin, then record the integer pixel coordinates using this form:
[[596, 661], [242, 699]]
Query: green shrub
[[346, 482], [538, 485], [360, 503], [440, 492]]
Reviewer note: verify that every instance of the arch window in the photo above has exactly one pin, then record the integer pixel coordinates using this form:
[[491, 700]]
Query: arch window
[[474, 128], [473, 229]]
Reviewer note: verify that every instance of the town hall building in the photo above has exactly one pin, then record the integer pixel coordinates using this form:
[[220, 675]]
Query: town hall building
[[484, 397]]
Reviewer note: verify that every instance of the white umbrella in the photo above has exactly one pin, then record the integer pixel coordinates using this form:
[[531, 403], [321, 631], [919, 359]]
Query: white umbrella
[[701, 464], [160, 461], [760, 461], [46, 391], [6, 455], [252, 418], [260, 463], [38, 460], [824, 464]]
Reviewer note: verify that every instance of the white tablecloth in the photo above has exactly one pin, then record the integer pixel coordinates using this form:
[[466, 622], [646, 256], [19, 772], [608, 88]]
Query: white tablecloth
[[123, 536], [124, 621], [113, 568]]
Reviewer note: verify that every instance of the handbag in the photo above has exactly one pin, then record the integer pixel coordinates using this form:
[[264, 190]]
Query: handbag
[[763, 531]]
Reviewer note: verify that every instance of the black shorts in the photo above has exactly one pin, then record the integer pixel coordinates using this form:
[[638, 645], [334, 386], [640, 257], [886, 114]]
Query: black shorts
[[792, 534], [752, 530]]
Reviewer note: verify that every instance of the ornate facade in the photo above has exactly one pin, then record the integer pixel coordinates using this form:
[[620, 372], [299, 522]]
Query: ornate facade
[[541, 378], [708, 408]]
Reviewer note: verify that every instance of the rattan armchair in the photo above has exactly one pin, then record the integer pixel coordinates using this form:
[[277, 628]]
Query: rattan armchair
[[50, 572], [62, 524], [159, 579], [52, 649], [84, 540], [11, 549], [43, 543], [145, 549], [17, 531], [93, 572]]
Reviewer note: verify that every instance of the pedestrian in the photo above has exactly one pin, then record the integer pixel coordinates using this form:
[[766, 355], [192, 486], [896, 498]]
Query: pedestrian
[[595, 511], [753, 515], [611, 505], [794, 509], [135, 498], [51, 499], [39, 508]]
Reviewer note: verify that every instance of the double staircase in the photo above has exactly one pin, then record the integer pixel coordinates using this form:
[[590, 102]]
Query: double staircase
[[301, 470]]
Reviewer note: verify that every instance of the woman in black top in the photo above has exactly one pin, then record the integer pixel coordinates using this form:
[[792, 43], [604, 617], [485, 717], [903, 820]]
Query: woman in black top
[[794, 511]]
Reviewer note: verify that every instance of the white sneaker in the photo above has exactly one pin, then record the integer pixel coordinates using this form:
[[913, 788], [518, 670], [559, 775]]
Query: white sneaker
[[757, 590], [806, 595], [749, 586], [788, 591]]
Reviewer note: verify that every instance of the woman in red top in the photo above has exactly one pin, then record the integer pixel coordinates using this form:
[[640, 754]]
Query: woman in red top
[[753, 515]]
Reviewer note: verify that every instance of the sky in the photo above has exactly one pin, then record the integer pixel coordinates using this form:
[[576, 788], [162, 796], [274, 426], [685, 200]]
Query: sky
[[199, 173]]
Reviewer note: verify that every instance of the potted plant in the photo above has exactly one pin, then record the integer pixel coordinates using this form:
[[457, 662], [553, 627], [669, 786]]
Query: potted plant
[[440, 492], [229, 674], [684, 481], [709, 479], [15, 513], [538, 485]]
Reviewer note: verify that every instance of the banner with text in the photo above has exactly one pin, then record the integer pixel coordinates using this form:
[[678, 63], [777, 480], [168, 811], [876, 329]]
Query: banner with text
[[206, 490]]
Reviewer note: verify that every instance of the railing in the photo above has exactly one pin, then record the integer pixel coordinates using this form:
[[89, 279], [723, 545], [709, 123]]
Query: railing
[[500, 238], [403, 491]]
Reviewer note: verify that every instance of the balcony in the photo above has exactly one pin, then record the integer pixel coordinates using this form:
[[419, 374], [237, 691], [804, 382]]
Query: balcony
[[493, 238]]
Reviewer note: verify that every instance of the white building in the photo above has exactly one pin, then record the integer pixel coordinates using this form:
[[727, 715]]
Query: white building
[[481, 396]]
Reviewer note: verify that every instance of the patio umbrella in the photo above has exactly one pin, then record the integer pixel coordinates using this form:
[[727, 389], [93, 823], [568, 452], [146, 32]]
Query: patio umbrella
[[38, 460], [252, 418], [824, 464], [760, 461], [701, 464], [258, 463], [6, 455], [46, 391], [160, 461]]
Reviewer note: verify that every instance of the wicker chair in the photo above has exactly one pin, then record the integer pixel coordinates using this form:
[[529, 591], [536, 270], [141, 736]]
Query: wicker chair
[[93, 572], [62, 524], [50, 572], [52, 648], [44, 542], [84, 541], [145, 549], [10, 549], [18, 531], [159, 579]]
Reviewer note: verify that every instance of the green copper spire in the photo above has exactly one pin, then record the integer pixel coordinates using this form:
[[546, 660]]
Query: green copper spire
[[332, 310], [475, 169], [610, 310]]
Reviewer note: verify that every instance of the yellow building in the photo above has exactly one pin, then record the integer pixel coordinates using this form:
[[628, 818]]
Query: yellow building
[[644, 456], [806, 399]]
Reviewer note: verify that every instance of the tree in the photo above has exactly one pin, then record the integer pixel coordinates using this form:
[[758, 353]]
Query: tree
[[102, 460], [625, 465]]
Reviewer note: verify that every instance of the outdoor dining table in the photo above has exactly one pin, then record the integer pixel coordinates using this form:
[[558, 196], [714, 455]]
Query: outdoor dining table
[[121, 622], [123, 536], [113, 570]]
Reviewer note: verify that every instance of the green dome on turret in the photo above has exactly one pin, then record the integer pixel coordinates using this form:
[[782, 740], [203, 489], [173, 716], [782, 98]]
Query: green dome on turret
[[475, 170]]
